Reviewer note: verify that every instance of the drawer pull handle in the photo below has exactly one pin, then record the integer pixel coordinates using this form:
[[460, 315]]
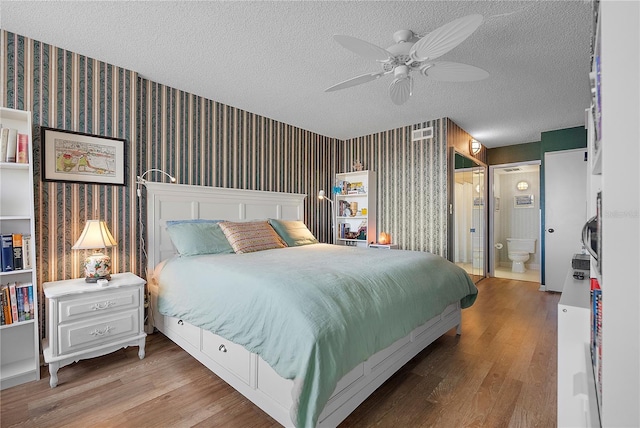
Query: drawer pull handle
[[102, 332], [222, 348], [180, 322], [103, 305]]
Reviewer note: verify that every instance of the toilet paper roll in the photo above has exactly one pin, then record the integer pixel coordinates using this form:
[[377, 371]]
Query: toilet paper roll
[[499, 245]]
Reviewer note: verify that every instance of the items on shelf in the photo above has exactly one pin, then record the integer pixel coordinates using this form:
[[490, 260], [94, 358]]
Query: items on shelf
[[14, 146], [16, 252], [16, 301]]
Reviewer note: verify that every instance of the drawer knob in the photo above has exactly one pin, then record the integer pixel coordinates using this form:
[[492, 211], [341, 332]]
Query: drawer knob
[[222, 348], [180, 322], [103, 305], [98, 332]]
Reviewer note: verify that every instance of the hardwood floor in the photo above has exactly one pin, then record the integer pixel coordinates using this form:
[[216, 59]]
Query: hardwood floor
[[500, 373]]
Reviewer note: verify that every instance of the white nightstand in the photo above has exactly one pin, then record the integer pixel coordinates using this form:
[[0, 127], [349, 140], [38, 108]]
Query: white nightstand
[[384, 246], [86, 321]]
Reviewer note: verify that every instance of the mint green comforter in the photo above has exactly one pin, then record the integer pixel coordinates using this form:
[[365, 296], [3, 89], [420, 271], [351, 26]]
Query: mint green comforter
[[312, 312]]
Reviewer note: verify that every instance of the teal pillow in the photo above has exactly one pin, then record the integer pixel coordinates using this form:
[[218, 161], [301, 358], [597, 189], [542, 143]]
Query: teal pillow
[[293, 232], [193, 237]]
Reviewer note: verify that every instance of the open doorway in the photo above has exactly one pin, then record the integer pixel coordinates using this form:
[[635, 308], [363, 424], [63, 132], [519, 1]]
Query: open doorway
[[515, 251]]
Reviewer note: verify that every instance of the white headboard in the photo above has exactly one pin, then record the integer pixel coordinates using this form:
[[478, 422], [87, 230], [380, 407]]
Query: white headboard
[[180, 201]]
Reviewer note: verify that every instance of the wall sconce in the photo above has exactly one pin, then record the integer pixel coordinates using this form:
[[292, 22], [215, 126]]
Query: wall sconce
[[384, 238], [475, 146], [522, 185], [322, 196], [95, 236], [140, 180]]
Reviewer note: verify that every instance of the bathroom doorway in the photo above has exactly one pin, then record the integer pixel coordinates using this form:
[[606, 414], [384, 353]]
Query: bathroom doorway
[[514, 218]]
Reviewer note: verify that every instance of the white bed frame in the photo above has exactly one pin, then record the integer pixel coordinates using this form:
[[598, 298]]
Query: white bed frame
[[244, 371]]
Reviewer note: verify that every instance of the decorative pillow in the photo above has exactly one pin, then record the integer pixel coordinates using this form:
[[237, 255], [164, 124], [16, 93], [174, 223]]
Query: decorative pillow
[[250, 236], [293, 232], [193, 237]]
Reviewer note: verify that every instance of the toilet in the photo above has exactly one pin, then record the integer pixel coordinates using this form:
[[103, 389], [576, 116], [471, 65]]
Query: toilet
[[519, 250]]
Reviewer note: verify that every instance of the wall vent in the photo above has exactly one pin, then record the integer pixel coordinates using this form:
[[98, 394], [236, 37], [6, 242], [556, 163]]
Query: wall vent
[[512, 169], [422, 134]]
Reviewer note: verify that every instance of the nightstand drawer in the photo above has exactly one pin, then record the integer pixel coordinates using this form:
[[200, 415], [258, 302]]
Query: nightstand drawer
[[229, 355], [98, 304], [98, 331]]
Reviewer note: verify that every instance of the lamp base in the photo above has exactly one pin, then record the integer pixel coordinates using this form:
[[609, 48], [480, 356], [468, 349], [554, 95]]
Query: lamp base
[[97, 266]]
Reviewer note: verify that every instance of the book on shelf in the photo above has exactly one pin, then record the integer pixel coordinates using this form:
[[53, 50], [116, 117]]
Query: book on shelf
[[22, 151], [26, 252], [596, 335], [12, 145], [14, 302], [17, 303], [17, 251], [6, 252], [3, 320], [6, 305], [4, 142]]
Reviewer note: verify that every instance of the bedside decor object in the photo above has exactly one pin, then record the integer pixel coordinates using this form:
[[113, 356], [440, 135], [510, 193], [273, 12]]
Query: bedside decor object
[[78, 157], [96, 236], [321, 196], [384, 238]]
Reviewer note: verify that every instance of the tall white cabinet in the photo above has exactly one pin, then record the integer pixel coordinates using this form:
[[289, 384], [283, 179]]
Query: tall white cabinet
[[19, 341], [620, 90], [355, 208], [614, 158]]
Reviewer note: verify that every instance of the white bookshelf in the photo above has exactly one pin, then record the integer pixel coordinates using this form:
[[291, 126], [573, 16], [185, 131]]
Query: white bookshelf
[[19, 341], [365, 198]]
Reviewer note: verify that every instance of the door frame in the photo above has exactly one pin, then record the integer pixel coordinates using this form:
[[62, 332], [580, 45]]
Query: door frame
[[491, 267]]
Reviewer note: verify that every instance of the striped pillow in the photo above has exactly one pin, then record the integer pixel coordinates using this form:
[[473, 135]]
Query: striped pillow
[[247, 237]]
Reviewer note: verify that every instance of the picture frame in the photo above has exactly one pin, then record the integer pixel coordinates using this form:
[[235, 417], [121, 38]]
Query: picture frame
[[523, 201], [77, 157]]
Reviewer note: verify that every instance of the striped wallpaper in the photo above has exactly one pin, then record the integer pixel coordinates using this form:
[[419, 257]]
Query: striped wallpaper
[[203, 142], [412, 184]]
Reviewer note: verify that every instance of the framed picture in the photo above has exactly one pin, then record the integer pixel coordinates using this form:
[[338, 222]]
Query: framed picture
[[82, 158], [523, 201]]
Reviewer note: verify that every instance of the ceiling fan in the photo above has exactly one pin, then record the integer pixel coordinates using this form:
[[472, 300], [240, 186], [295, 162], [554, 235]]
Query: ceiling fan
[[414, 53]]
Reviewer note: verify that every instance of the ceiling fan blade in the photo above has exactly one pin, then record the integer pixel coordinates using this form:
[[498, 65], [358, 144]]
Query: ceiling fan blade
[[400, 90], [454, 72], [354, 81], [362, 48], [443, 39]]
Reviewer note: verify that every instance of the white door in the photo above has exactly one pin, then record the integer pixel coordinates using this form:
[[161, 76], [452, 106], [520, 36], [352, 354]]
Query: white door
[[565, 192]]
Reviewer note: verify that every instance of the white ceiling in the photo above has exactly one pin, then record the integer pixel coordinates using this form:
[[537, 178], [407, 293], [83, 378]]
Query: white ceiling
[[276, 58]]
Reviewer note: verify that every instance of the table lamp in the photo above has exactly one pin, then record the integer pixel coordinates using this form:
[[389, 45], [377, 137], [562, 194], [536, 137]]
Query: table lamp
[[96, 236]]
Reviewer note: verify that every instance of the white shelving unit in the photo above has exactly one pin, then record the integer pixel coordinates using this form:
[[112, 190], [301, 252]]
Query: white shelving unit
[[364, 195], [614, 155], [19, 341]]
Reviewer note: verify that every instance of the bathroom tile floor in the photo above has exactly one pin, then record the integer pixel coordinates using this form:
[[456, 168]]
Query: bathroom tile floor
[[505, 272], [528, 275]]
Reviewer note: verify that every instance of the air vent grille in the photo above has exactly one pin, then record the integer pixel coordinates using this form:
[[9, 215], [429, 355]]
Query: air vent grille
[[422, 134], [512, 169]]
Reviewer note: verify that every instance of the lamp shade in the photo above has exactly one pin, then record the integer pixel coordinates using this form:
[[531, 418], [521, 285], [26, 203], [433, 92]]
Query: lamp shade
[[95, 235]]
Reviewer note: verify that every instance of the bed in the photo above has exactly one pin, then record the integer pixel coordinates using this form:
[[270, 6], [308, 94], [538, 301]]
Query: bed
[[303, 332]]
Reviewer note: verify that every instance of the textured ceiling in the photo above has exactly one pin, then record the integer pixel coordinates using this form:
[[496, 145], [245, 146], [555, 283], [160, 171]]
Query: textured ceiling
[[276, 58]]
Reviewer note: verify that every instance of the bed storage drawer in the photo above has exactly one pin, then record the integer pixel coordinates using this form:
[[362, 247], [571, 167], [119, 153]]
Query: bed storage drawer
[[229, 355], [186, 331]]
